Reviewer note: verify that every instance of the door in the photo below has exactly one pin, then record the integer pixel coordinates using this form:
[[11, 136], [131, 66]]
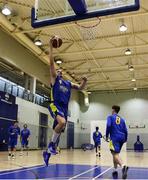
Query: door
[[70, 135], [43, 129], [8, 113], [4, 137]]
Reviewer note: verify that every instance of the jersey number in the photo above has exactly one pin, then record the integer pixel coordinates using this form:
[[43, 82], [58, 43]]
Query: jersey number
[[117, 120]]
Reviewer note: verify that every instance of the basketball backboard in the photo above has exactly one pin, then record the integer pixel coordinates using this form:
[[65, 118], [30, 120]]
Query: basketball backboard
[[51, 12]]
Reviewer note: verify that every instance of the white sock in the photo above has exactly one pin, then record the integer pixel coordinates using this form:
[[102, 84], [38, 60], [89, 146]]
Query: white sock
[[123, 165], [114, 169], [55, 137]]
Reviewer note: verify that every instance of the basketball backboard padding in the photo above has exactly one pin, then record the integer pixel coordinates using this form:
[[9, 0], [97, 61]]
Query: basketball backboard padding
[[79, 8], [130, 5]]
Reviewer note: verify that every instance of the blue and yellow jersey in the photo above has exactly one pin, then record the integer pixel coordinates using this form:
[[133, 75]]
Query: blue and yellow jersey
[[13, 132], [116, 128], [97, 137], [25, 133], [61, 91]]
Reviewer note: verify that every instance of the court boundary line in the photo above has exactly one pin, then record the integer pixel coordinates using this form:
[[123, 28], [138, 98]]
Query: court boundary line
[[25, 169], [102, 173], [83, 172]]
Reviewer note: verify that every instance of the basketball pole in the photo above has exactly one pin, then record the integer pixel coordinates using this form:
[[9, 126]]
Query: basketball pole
[[36, 6]]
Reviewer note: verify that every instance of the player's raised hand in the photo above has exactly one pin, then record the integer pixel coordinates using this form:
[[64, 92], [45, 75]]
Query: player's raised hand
[[84, 78]]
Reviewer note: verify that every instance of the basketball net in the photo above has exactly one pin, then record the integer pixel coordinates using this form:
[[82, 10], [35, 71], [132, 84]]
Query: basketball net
[[89, 32]]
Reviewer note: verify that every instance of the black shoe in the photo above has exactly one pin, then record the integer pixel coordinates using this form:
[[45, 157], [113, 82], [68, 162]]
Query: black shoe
[[115, 174], [124, 172], [99, 155]]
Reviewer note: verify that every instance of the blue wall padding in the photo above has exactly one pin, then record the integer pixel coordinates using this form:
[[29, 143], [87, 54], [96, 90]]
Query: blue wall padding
[[78, 6]]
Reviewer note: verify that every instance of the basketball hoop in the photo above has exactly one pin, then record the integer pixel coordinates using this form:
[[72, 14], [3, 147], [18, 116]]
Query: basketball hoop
[[89, 32]]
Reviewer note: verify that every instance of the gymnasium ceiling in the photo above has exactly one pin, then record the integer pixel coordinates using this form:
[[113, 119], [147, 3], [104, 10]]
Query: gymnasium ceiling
[[103, 59]]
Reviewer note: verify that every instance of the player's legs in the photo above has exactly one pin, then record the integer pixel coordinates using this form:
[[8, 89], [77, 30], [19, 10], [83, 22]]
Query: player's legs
[[13, 155], [117, 160], [59, 115], [99, 150], [9, 152], [27, 147], [22, 147], [115, 150], [57, 144], [11, 148], [14, 149], [96, 148], [59, 125], [56, 133]]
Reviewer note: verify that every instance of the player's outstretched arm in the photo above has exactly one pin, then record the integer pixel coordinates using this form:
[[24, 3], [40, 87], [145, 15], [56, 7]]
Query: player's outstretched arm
[[53, 73], [80, 86]]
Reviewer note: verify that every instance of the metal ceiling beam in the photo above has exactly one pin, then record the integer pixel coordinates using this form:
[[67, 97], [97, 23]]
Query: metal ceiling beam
[[122, 35], [103, 49], [107, 58], [119, 89], [116, 81], [110, 69]]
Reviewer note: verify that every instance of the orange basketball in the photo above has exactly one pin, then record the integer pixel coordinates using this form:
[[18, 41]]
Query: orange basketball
[[56, 42]]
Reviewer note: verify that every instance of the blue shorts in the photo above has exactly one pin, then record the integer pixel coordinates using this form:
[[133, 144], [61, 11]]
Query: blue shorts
[[116, 146], [97, 144], [12, 142], [58, 109], [24, 142]]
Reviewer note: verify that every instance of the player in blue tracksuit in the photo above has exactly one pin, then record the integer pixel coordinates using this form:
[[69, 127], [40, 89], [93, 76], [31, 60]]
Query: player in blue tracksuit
[[117, 131], [25, 134], [13, 132], [60, 96], [97, 141]]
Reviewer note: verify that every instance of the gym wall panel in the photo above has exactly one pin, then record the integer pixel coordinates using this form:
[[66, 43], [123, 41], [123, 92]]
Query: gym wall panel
[[134, 108], [29, 113]]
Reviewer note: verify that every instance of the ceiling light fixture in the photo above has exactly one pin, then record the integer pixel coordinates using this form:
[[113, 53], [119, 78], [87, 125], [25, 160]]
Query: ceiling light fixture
[[133, 80], [123, 28], [130, 68], [58, 61], [6, 10], [128, 52], [38, 42]]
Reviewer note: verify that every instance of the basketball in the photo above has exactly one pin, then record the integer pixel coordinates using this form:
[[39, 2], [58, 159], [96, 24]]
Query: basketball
[[56, 42]]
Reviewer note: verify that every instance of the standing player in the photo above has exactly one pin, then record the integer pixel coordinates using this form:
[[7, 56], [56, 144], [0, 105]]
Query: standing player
[[60, 96], [14, 132], [97, 140], [25, 134], [117, 130]]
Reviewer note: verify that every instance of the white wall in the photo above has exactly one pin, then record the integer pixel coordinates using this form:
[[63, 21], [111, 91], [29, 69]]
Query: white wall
[[29, 113], [134, 108], [74, 108]]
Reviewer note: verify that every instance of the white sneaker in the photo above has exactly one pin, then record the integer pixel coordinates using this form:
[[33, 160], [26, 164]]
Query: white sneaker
[[13, 157], [9, 157]]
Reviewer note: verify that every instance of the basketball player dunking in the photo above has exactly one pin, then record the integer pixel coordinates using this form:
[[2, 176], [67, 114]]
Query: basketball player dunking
[[60, 96]]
